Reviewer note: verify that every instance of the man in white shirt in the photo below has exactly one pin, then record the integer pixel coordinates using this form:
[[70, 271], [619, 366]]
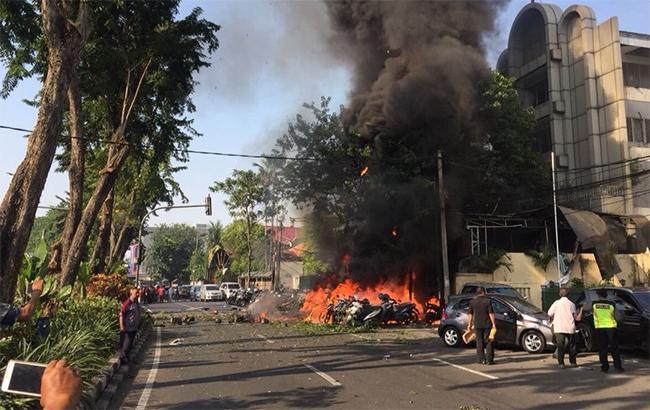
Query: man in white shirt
[[563, 314]]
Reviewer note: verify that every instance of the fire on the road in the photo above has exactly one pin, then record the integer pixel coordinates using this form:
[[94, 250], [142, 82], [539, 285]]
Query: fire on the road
[[316, 301]]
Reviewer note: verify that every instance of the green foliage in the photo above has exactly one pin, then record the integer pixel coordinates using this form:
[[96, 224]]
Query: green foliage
[[488, 263], [115, 286], [577, 283], [514, 175], [84, 332], [170, 251], [198, 264], [47, 227], [245, 192], [541, 258], [235, 242]]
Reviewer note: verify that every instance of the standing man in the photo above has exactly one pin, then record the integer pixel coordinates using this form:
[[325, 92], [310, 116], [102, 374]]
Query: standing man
[[605, 335], [482, 313], [129, 323], [563, 315]]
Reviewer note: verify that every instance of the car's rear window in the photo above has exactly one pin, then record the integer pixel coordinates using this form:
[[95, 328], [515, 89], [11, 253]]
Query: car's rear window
[[212, 287], [233, 286], [505, 292]]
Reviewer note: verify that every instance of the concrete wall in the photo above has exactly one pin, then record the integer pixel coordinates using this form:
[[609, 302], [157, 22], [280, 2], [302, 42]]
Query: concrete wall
[[528, 278]]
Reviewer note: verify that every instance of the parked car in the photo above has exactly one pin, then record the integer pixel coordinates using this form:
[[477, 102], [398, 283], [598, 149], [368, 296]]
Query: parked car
[[633, 311], [195, 293], [228, 288], [210, 292], [519, 323], [184, 291], [491, 288]]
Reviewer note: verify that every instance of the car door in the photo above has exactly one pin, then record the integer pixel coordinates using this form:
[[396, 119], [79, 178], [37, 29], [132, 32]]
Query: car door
[[629, 319], [506, 319]]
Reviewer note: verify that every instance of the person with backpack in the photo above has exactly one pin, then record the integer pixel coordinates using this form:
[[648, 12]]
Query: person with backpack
[[129, 324]]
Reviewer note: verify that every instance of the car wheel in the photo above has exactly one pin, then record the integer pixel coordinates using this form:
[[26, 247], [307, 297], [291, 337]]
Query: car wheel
[[586, 336], [451, 337], [533, 342]]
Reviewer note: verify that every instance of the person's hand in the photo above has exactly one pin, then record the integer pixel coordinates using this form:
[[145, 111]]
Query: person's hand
[[37, 285], [60, 386]]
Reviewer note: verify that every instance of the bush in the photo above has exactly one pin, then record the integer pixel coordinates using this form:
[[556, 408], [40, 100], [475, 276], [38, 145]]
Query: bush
[[114, 285], [84, 332]]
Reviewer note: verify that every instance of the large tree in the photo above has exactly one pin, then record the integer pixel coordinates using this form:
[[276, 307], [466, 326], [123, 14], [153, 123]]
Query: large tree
[[170, 250], [137, 85], [54, 44], [244, 192], [244, 247]]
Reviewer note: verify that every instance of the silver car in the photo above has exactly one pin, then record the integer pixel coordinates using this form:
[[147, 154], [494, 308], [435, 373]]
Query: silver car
[[518, 323]]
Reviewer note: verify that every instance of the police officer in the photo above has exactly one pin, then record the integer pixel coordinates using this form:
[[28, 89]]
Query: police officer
[[10, 314], [603, 312]]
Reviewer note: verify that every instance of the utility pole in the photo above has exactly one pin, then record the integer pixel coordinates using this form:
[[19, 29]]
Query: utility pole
[[557, 236], [443, 229]]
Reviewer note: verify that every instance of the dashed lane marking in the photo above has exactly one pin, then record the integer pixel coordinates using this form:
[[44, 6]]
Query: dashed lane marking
[[466, 369], [324, 375], [266, 338], [146, 392]]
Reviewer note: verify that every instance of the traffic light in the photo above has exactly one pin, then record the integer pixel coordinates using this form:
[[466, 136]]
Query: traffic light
[[208, 205]]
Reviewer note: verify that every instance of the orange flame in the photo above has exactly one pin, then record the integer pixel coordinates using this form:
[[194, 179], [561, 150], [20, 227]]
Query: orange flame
[[315, 304], [364, 171], [393, 231]]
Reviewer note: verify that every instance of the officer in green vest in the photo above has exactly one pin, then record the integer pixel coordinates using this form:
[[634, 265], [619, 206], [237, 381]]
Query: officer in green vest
[[603, 311]]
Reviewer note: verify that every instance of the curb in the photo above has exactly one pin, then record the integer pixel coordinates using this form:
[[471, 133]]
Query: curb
[[107, 383]]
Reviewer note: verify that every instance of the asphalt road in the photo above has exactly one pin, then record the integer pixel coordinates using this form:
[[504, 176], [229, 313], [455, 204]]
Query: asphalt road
[[273, 366]]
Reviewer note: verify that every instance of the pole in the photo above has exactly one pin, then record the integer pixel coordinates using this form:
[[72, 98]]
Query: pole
[[557, 236], [167, 208], [443, 228]]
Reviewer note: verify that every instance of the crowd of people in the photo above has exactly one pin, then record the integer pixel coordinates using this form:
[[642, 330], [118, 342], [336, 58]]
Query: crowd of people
[[563, 314], [158, 294]]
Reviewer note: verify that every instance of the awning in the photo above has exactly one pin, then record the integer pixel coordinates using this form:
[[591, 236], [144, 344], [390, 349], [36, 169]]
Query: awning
[[608, 234]]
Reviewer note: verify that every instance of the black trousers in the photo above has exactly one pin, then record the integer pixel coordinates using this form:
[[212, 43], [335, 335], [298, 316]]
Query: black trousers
[[607, 342], [484, 347], [126, 343], [566, 343]]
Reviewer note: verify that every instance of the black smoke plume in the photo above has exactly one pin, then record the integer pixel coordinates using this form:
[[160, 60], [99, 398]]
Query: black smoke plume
[[417, 67]]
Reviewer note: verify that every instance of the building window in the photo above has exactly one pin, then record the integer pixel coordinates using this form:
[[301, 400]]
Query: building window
[[638, 130], [636, 75]]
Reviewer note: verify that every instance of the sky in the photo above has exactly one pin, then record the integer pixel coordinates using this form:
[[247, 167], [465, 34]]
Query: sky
[[274, 56]]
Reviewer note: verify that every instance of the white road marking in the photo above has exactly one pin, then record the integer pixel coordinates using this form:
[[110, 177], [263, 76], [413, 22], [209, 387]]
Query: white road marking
[[189, 307], [266, 338], [325, 376], [146, 392], [467, 369], [360, 336]]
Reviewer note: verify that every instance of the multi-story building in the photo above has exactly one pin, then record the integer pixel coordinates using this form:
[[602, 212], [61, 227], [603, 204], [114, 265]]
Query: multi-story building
[[589, 84]]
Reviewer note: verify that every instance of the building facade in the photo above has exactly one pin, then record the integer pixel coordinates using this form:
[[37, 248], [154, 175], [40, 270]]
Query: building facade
[[589, 84]]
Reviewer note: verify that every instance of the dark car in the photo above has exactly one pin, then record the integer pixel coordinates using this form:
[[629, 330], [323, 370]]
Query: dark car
[[184, 291], [633, 311], [470, 288], [518, 322]]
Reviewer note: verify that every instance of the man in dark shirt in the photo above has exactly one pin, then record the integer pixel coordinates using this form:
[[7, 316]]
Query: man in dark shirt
[[129, 324], [10, 314], [481, 319]]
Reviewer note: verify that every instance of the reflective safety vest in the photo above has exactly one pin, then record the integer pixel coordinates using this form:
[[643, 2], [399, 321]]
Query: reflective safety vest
[[603, 315]]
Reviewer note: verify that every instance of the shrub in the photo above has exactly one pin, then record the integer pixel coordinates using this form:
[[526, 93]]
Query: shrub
[[84, 332], [114, 285]]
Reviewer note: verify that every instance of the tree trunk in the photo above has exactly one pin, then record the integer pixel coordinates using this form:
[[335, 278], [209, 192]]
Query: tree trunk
[[76, 171], [121, 243], [101, 250], [65, 40], [108, 176]]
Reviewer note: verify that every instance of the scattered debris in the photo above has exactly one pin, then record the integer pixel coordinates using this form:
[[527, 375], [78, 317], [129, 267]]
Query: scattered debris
[[217, 320], [386, 356], [176, 342]]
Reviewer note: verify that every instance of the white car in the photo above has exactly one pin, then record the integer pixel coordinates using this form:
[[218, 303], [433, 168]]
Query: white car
[[229, 287], [210, 292]]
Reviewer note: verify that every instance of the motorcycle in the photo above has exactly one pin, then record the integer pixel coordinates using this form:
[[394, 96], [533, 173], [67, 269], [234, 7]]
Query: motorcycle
[[432, 313]]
